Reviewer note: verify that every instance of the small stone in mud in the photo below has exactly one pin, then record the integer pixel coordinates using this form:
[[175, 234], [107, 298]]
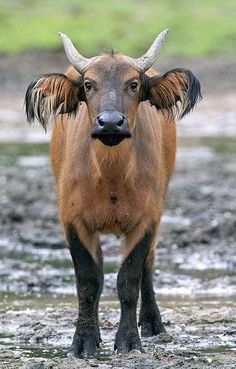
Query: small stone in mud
[[6, 354], [93, 364], [208, 360], [165, 337], [36, 366], [134, 353]]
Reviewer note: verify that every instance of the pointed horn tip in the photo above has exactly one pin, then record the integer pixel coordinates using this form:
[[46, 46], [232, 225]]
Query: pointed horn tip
[[62, 35], [164, 33], [162, 36]]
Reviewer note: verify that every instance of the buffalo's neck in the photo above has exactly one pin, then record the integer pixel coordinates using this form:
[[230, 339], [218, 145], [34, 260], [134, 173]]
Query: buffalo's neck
[[113, 165]]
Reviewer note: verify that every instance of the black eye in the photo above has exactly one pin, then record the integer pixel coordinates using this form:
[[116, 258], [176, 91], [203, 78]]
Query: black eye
[[133, 86], [88, 86]]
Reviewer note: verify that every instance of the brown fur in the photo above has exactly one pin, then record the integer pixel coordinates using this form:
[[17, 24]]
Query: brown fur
[[136, 172], [118, 189]]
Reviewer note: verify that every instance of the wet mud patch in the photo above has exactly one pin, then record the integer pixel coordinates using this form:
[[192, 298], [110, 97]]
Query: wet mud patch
[[194, 279], [202, 334]]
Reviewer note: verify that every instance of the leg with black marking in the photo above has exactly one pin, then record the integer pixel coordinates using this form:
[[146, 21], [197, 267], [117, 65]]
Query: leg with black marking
[[89, 280], [101, 280], [128, 285], [150, 317]]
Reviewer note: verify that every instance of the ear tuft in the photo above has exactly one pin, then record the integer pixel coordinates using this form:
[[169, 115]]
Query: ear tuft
[[176, 92], [49, 95], [193, 94]]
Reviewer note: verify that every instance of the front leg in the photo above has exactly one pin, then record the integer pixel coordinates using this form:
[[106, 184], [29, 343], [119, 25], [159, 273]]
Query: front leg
[[128, 284], [89, 280]]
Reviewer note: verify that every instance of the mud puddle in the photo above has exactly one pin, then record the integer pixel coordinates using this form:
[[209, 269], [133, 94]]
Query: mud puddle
[[194, 277], [38, 331]]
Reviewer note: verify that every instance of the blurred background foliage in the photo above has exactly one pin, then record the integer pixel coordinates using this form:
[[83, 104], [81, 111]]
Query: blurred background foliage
[[198, 27]]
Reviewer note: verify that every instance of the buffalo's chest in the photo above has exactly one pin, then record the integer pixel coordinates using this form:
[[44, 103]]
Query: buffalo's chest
[[115, 210]]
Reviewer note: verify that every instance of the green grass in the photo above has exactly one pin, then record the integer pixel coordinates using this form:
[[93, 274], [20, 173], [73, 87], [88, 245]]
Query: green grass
[[198, 27]]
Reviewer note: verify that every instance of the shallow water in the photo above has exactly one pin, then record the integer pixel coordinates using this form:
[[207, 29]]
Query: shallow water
[[194, 277]]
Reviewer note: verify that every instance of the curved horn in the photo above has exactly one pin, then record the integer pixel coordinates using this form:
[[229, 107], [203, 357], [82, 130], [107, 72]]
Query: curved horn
[[78, 61], [147, 60]]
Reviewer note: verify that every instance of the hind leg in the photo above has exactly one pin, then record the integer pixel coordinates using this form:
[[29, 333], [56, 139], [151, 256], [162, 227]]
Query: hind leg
[[150, 317]]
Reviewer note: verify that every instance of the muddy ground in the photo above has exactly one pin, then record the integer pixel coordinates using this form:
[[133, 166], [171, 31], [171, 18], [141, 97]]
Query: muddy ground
[[195, 270]]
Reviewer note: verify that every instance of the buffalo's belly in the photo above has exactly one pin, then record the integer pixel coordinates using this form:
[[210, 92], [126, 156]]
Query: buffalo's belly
[[114, 216]]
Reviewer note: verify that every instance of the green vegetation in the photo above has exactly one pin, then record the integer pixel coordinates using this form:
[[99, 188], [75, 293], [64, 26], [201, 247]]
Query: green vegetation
[[198, 27]]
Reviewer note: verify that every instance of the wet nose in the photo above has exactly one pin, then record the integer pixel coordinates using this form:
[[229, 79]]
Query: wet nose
[[111, 122], [111, 127]]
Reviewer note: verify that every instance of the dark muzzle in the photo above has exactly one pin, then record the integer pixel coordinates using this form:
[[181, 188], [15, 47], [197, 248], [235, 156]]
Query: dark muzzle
[[111, 127]]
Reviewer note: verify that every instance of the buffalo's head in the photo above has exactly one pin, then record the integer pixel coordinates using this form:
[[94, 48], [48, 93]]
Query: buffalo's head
[[112, 85]]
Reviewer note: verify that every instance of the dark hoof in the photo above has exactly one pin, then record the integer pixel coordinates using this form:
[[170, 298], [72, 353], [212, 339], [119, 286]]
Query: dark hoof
[[151, 328], [127, 342], [85, 344]]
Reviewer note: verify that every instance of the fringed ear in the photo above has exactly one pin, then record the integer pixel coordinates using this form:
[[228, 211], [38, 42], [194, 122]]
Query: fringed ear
[[52, 94], [176, 92]]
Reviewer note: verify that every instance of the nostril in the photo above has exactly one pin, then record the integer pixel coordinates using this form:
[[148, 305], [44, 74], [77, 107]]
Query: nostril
[[101, 122], [120, 123]]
